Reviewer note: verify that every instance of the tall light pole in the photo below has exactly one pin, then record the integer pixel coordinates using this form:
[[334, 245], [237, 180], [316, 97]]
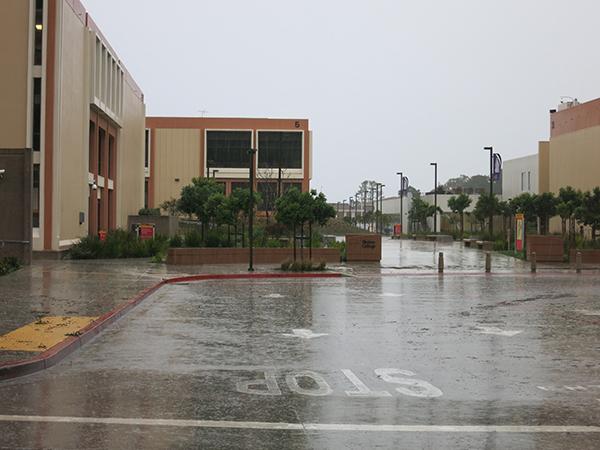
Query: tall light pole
[[350, 208], [491, 150], [401, 195], [343, 209], [381, 209], [434, 164], [252, 153]]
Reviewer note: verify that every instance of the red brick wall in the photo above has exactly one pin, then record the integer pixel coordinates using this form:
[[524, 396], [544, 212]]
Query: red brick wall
[[546, 248], [195, 256], [587, 256]]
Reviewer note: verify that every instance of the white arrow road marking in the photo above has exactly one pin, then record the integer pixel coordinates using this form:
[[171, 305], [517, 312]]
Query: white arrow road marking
[[391, 294], [498, 331], [304, 334], [273, 296]]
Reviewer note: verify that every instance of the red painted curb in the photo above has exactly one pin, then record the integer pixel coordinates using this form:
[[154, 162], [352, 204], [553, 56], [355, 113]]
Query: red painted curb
[[57, 353]]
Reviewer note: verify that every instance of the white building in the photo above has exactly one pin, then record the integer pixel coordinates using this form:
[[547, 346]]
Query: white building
[[391, 206], [520, 175]]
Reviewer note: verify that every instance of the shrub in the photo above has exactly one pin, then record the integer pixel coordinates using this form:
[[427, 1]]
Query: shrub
[[176, 241], [193, 238], [303, 266], [499, 245], [118, 244], [149, 212], [9, 264]]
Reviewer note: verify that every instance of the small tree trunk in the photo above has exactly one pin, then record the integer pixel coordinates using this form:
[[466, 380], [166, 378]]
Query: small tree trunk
[[462, 224], [302, 242], [243, 233], [310, 241], [294, 239]]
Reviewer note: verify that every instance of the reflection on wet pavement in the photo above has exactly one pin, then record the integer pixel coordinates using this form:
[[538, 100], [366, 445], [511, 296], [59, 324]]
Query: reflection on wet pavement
[[375, 349]]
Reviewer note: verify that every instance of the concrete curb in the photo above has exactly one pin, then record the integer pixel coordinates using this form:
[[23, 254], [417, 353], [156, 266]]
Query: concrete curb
[[54, 355]]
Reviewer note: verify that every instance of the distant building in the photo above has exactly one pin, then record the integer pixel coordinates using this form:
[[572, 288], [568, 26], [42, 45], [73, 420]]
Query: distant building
[[65, 93], [181, 148], [520, 175]]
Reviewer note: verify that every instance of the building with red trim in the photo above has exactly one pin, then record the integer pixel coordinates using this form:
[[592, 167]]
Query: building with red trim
[[66, 94]]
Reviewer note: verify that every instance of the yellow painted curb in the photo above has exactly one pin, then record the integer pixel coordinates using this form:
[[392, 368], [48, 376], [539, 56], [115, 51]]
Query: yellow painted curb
[[46, 332]]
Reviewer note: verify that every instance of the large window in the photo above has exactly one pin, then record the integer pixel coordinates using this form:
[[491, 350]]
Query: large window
[[38, 32], [228, 149], [280, 149], [37, 113]]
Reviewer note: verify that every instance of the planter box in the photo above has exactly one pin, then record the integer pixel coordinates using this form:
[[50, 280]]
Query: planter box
[[546, 248], [589, 256], [363, 247], [203, 255], [164, 225]]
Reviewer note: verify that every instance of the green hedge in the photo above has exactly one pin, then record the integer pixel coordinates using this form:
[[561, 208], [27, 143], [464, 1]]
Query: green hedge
[[118, 244]]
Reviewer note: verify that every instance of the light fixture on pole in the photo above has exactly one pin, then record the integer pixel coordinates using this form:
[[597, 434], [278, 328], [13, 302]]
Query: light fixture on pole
[[434, 164], [401, 193]]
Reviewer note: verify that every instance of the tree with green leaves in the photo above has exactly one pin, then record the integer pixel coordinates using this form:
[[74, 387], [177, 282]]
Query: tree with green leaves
[[457, 205], [194, 200], [288, 211], [569, 200], [545, 207], [240, 202], [321, 213], [486, 207], [589, 211], [419, 211]]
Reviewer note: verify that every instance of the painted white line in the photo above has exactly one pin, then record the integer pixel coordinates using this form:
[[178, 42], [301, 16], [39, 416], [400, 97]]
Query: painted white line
[[305, 426], [304, 334], [587, 312], [498, 331]]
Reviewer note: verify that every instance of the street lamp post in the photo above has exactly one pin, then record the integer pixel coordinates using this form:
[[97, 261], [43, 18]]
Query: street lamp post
[[401, 195], [434, 196], [343, 209], [491, 150], [381, 209], [252, 153]]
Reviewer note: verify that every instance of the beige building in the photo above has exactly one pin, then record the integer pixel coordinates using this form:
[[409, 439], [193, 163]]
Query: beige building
[[572, 156], [181, 148], [67, 95]]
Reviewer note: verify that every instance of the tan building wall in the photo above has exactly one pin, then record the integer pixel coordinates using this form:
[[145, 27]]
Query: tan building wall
[[177, 152], [14, 75], [69, 75], [71, 136], [130, 156], [543, 167], [575, 159], [176, 157]]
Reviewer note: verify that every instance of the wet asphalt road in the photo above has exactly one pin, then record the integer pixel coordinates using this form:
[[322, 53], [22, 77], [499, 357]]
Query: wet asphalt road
[[377, 349]]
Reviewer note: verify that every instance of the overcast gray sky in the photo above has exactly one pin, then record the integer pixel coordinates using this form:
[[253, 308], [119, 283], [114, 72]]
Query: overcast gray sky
[[387, 85]]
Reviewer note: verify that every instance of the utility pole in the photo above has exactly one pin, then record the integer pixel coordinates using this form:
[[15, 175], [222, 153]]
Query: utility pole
[[434, 164], [491, 150]]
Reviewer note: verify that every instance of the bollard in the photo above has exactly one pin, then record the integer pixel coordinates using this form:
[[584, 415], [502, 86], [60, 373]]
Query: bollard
[[441, 262], [488, 262], [578, 262], [533, 262]]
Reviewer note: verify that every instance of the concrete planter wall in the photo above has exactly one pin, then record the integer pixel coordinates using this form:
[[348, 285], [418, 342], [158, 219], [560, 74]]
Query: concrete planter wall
[[590, 256], [546, 248], [197, 256], [164, 225]]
